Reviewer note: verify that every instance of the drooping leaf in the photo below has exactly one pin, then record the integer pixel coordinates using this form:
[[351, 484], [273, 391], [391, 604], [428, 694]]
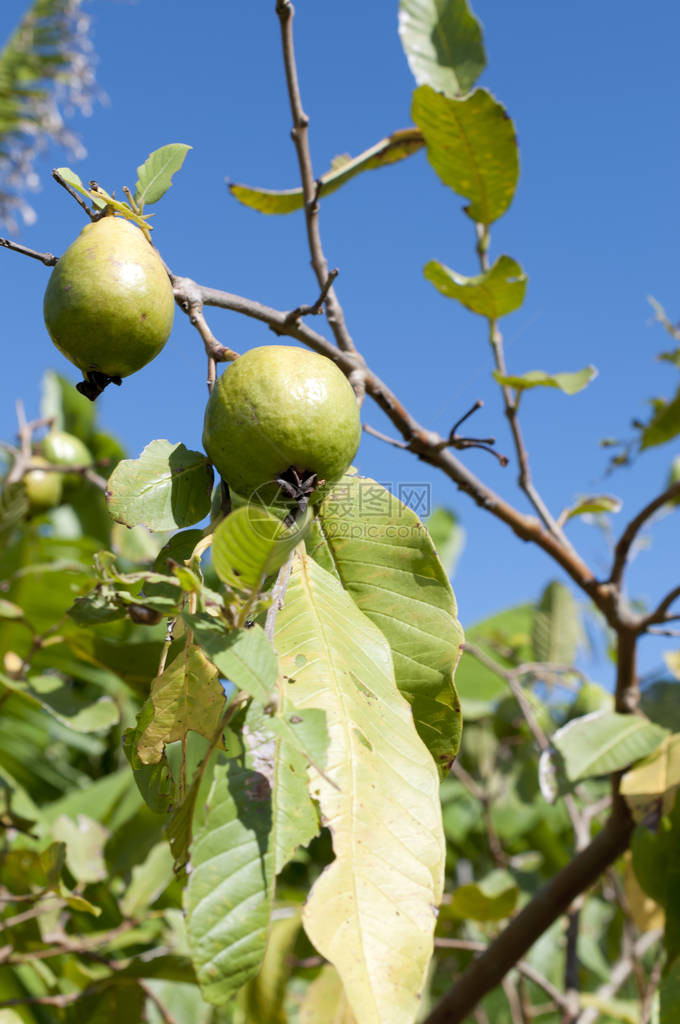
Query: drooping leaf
[[605, 742], [557, 630], [592, 504], [154, 176], [371, 911], [443, 44], [188, 695], [228, 897], [395, 147], [251, 544], [569, 383], [388, 564], [448, 536], [664, 423], [166, 488], [97, 717], [472, 146], [496, 292]]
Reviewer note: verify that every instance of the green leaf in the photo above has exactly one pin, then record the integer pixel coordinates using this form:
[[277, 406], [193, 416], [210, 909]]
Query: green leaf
[[371, 912], [472, 146], [395, 147], [557, 631], [149, 880], [605, 742], [85, 839], [244, 657], [592, 504], [669, 995], [166, 488], [70, 410], [448, 536], [664, 424], [481, 902], [154, 177], [9, 610], [442, 40], [228, 897], [262, 999], [674, 478], [570, 383], [498, 291], [97, 717], [324, 1001], [506, 637], [188, 695], [623, 1011], [251, 544], [387, 562], [74, 181]]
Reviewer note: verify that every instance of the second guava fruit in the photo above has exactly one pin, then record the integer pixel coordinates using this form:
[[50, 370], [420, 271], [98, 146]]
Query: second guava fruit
[[63, 449], [43, 488], [109, 304], [278, 409]]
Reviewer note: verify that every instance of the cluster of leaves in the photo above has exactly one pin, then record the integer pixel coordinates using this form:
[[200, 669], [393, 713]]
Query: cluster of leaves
[[46, 61]]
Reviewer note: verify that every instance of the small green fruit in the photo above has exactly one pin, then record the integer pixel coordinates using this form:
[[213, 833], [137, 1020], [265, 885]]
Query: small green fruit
[[63, 449], [277, 408], [591, 697], [109, 305], [43, 489]]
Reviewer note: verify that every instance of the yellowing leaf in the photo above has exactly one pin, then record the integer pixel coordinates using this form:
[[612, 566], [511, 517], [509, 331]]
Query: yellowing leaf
[[656, 777], [372, 911]]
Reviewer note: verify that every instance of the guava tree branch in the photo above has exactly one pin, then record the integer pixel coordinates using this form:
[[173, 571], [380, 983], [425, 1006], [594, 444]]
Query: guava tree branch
[[488, 970], [620, 972], [48, 258], [622, 549], [310, 189]]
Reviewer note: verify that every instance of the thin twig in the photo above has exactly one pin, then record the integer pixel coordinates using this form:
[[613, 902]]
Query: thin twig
[[619, 973], [524, 968], [659, 613], [150, 994], [622, 549], [48, 258], [310, 189], [384, 437], [72, 192], [317, 306]]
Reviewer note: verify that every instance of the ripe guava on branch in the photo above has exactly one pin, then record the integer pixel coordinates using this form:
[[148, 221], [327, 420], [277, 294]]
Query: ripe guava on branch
[[279, 412], [109, 305]]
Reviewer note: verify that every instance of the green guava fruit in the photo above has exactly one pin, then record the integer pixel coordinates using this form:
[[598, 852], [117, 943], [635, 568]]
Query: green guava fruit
[[281, 412], [109, 305], [63, 449], [43, 489], [591, 697]]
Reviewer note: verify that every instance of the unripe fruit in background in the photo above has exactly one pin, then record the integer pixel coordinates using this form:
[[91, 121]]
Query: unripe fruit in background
[[63, 449], [43, 488], [277, 408], [109, 304]]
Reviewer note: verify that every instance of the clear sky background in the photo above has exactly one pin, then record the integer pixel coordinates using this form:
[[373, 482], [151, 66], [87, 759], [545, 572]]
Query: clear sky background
[[593, 91]]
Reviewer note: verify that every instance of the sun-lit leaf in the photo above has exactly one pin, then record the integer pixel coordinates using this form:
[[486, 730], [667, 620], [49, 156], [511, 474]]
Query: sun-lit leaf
[[443, 44], [664, 423], [656, 777], [188, 695], [672, 659], [592, 504], [154, 176], [149, 880], [472, 146], [85, 839], [605, 742], [496, 292], [251, 544], [262, 999], [386, 560], [324, 1001], [99, 716], [674, 478], [395, 147], [244, 657], [371, 911], [569, 383], [166, 488]]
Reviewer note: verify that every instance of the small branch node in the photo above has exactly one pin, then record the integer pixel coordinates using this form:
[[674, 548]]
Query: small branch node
[[74, 195]]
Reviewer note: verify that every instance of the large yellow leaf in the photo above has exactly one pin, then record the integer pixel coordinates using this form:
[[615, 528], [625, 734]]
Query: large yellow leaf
[[372, 911]]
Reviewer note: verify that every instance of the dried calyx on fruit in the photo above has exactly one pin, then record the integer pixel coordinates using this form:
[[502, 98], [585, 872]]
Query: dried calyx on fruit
[[109, 304], [282, 423]]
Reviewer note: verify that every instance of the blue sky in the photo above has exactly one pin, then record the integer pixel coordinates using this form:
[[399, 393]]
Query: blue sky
[[595, 223]]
